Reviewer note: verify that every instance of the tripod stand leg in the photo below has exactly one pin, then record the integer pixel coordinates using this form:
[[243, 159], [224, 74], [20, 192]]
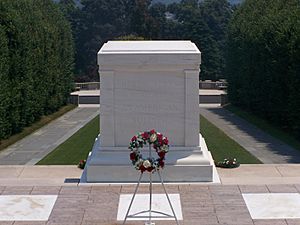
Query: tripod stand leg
[[150, 202], [162, 183], [136, 189]]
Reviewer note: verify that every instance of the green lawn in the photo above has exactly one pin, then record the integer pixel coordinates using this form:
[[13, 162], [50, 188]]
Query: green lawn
[[35, 126], [80, 144], [221, 146], [75, 148], [266, 126]]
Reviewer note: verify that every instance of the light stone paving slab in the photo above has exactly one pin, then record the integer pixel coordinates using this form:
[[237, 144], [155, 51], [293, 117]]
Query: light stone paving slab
[[253, 174], [250, 174], [277, 188], [10, 171], [51, 172], [289, 170], [259, 180], [141, 203], [39, 175], [273, 205], [201, 204], [37, 182], [26, 207], [244, 170]]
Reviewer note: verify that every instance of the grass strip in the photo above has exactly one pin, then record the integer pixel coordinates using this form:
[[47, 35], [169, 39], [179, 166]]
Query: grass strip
[[221, 146], [266, 126], [76, 148], [80, 144], [35, 126]]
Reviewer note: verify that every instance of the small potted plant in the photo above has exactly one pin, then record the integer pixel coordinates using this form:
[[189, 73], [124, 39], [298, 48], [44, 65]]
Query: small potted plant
[[228, 163]]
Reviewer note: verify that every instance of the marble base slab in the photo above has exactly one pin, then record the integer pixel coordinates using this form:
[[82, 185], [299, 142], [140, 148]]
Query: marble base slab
[[114, 166], [26, 207], [141, 203], [273, 205]]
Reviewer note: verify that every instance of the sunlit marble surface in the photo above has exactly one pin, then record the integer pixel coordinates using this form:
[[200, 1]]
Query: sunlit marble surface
[[141, 203], [273, 205], [26, 207]]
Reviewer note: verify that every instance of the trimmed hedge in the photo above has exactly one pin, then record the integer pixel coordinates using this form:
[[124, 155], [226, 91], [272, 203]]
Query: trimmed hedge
[[263, 61], [36, 61]]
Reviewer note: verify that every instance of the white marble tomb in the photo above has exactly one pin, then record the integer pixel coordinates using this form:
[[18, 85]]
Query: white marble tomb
[[149, 85]]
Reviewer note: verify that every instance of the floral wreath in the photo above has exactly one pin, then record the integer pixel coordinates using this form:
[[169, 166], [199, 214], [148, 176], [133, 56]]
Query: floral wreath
[[159, 143]]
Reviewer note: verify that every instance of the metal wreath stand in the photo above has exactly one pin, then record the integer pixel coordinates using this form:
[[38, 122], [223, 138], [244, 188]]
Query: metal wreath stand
[[164, 215]]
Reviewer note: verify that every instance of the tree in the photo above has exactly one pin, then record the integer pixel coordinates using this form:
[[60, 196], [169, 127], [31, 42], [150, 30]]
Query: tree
[[216, 14], [263, 44], [205, 24], [98, 21], [157, 21], [37, 48], [4, 97]]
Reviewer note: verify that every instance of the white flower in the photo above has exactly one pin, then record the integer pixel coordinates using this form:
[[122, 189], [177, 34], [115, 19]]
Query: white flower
[[153, 137], [138, 163], [146, 164], [164, 148]]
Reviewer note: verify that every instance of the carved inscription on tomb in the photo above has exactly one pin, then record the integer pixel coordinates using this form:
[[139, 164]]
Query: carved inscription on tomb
[[127, 125], [169, 108], [149, 101], [150, 81]]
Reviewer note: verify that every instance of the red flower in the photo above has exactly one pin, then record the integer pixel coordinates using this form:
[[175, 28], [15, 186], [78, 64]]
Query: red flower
[[166, 141], [152, 131], [159, 137], [145, 135], [133, 138], [149, 169], [142, 168], [161, 155], [132, 156], [161, 163]]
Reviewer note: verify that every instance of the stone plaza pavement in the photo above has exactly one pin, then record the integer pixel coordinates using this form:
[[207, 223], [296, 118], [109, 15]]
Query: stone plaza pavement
[[37, 145], [260, 144], [202, 204]]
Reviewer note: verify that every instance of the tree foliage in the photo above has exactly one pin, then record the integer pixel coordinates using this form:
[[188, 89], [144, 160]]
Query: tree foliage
[[204, 23], [36, 59], [263, 58], [98, 21]]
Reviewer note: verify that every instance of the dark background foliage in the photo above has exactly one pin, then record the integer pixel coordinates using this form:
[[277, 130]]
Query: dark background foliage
[[254, 45], [36, 60], [94, 22], [263, 61]]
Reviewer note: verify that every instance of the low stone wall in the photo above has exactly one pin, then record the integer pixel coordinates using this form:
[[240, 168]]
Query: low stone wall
[[203, 99], [224, 99], [89, 100], [217, 85], [88, 86], [73, 99], [210, 99]]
